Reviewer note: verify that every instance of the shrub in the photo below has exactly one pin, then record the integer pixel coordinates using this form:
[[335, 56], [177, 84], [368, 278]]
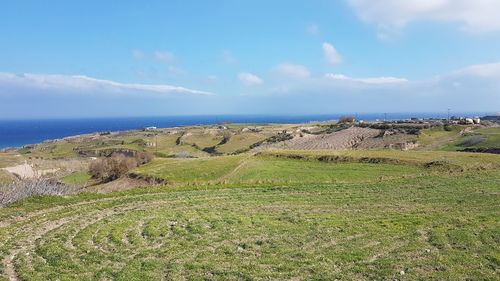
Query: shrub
[[23, 188], [472, 141], [112, 168], [227, 137], [143, 158], [211, 150], [139, 142], [347, 119]]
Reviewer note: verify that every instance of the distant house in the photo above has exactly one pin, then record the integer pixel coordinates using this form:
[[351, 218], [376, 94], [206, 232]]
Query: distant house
[[469, 121], [152, 128], [221, 127]]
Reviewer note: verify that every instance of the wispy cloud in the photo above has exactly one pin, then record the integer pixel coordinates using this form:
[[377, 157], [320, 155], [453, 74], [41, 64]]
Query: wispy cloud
[[293, 70], [228, 57], [471, 15], [331, 54], [249, 79], [164, 56], [138, 54], [489, 70], [212, 78], [368, 80], [83, 83], [312, 29], [161, 56]]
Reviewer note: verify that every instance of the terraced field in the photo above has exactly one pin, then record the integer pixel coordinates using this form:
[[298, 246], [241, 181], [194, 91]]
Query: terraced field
[[343, 139], [441, 227], [266, 168]]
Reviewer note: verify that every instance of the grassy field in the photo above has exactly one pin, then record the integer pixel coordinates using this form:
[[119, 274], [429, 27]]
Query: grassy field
[[266, 168], [241, 142], [429, 227], [77, 178], [449, 161], [435, 138], [480, 138], [376, 214]]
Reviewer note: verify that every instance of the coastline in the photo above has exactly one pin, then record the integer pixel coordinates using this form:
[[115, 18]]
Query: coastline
[[15, 134]]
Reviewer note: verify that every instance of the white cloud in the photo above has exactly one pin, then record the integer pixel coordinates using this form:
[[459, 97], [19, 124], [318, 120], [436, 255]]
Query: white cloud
[[249, 79], [137, 54], [86, 84], [472, 15], [369, 80], [164, 56], [331, 54], [313, 29], [293, 70], [489, 70]]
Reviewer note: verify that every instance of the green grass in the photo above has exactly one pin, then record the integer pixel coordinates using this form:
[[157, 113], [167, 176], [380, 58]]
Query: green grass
[[308, 166], [442, 227], [275, 215], [281, 170], [191, 170], [435, 138], [202, 139], [77, 178], [455, 160], [241, 142], [491, 138]]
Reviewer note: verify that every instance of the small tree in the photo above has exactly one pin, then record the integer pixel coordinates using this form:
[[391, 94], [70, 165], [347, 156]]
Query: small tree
[[347, 119], [112, 168]]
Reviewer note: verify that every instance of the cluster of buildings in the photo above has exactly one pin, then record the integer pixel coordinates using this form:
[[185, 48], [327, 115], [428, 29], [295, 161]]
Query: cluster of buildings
[[465, 120]]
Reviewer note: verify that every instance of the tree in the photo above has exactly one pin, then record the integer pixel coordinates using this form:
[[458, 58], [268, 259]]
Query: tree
[[347, 119]]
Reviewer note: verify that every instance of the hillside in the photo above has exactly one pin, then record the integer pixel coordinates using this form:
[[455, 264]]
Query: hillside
[[314, 201]]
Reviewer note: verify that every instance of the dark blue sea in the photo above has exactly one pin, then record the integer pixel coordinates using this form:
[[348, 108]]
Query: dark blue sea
[[15, 133]]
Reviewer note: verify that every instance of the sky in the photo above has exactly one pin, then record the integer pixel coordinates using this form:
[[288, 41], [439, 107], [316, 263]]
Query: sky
[[94, 58]]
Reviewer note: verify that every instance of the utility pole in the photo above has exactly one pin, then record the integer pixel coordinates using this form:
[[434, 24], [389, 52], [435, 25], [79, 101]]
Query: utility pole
[[448, 115], [385, 117], [156, 143]]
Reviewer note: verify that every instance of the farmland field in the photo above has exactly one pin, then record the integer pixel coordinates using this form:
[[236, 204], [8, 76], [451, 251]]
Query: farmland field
[[439, 227], [356, 214]]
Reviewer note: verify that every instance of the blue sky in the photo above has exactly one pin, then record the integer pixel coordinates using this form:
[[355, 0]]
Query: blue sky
[[134, 58]]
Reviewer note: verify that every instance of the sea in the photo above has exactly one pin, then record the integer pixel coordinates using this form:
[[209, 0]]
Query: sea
[[17, 133]]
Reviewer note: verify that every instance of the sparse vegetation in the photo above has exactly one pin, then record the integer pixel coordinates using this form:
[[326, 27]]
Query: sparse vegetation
[[20, 189], [116, 166], [347, 119], [471, 140]]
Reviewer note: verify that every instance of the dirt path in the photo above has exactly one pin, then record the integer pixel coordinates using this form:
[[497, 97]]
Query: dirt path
[[235, 170]]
